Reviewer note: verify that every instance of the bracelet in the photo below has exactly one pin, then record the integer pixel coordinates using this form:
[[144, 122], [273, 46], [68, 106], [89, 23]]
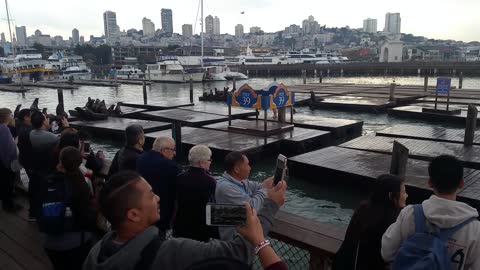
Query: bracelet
[[262, 244]]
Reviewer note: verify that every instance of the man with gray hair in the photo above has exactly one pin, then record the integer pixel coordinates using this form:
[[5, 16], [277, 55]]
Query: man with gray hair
[[195, 188], [160, 170]]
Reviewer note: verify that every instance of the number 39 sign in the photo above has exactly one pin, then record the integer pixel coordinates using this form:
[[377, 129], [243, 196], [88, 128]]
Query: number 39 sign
[[245, 97]]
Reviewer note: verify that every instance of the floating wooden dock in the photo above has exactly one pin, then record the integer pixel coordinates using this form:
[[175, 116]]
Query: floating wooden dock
[[125, 81], [115, 127], [295, 141], [358, 97], [87, 82], [158, 105], [415, 112], [358, 169], [418, 149], [13, 88], [439, 134], [46, 84], [222, 142], [194, 118], [342, 130]]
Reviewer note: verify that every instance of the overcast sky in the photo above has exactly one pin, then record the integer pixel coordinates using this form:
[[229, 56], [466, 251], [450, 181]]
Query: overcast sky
[[441, 19]]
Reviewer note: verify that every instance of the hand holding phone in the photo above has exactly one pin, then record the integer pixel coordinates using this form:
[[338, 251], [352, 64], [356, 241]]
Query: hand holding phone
[[86, 147], [252, 231], [280, 169]]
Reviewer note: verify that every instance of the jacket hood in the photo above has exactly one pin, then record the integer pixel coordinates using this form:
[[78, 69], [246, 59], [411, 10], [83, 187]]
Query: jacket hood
[[126, 258], [445, 213]]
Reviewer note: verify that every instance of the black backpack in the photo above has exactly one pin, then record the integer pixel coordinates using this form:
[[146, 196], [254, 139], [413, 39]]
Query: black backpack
[[56, 216]]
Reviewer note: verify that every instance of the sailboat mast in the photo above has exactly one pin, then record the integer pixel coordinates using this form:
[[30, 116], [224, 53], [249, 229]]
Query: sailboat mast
[[201, 24], [9, 28]]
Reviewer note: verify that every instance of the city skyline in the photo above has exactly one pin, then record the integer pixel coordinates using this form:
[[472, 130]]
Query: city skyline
[[461, 23]]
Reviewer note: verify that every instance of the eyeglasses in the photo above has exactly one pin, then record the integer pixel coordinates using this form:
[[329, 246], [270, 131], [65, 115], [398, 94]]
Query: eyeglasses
[[171, 149]]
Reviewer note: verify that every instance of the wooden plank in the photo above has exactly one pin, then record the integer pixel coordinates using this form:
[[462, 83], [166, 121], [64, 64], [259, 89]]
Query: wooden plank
[[188, 118], [19, 254], [158, 105], [7, 262]]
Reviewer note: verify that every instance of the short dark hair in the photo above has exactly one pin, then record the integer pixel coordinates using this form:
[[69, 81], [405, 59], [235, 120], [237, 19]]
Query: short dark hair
[[446, 173], [23, 113], [70, 158], [69, 139], [386, 191], [132, 134], [37, 119], [232, 159], [119, 195]]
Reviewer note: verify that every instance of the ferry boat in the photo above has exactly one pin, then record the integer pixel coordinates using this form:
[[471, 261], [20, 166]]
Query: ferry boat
[[169, 69], [23, 67], [222, 73], [129, 72]]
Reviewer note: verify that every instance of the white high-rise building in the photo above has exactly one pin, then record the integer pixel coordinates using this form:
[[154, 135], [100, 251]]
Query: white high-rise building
[[110, 26], [255, 29], [216, 26], [209, 25], [21, 32], [75, 36], [187, 30], [239, 30], [392, 23], [148, 27], [2, 38], [370, 25]]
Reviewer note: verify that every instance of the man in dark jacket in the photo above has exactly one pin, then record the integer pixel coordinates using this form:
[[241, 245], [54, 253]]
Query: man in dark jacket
[[129, 204], [126, 158], [160, 171], [195, 188]]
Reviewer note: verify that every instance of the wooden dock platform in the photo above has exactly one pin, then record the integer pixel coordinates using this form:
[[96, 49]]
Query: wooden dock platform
[[115, 126], [293, 142], [359, 97], [47, 84], [157, 106], [418, 149], [439, 134], [221, 142], [13, 88], [195, 117], [415, 112], [342, 130], [125, 81], [88, 82], [358, 169]]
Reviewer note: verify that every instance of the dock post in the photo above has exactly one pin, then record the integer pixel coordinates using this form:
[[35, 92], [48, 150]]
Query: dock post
[[320, 79], [392, 92], [177, 137], [230, 115], [291, 114], [471, 125], [145, 101], [275, 78], [460, 81], [304, 74], [234, 84], [425, 83], [282, 114], [265, 120], [398, 165], [60, 96], [191, 89]]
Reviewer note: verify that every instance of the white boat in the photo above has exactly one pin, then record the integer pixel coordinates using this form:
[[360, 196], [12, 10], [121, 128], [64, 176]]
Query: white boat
[[24, 67], [222, 73], [170, 70], [67, 67], [130, 72]]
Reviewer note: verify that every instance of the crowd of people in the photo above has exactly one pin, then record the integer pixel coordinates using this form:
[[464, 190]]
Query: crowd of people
[[122, 220]]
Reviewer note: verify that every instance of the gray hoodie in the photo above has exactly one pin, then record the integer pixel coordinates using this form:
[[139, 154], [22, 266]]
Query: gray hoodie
[[463, 247], [177, 253]]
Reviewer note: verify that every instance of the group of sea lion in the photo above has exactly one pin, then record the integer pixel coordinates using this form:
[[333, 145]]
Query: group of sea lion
[[96, 110], [60, 110]]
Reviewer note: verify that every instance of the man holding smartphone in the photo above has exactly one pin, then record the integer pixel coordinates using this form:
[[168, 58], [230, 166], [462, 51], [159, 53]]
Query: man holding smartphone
[[235, 188]]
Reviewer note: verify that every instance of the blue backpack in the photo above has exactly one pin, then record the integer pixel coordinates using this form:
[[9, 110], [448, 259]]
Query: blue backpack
[[426, 250]]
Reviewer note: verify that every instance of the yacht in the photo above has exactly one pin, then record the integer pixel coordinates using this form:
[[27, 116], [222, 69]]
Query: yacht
[[129, 72], [23, 66], [67, 67], [169, 69]]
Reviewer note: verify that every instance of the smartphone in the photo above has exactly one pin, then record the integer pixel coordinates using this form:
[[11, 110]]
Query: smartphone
[[280, 169], [225, 215], [86, 147]]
